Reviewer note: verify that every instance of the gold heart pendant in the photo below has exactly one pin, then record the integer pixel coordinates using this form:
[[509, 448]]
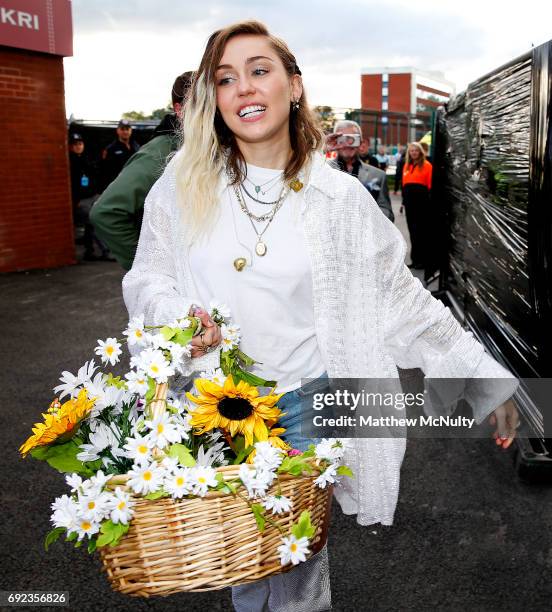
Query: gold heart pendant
[[240, 263], [296, 185]]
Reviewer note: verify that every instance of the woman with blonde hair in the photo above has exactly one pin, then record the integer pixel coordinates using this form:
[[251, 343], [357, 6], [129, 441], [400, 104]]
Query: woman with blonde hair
[[416, 187], [249, 213]]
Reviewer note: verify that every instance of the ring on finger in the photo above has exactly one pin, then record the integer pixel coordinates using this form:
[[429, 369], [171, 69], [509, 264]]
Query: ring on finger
[[204, 347]]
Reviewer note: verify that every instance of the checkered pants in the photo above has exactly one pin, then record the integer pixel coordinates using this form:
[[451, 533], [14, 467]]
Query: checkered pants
[[305, 588]]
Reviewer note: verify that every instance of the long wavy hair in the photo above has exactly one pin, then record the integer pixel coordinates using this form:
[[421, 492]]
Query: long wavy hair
[[420, 161], [210, 147]]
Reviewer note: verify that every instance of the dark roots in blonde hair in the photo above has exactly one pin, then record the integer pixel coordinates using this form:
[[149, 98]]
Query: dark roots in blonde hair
[[304, 131]]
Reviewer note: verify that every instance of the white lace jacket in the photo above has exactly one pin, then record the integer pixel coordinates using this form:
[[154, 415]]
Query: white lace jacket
[[371, 314]]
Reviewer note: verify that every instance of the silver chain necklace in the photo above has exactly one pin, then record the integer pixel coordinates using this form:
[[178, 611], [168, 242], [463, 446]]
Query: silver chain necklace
[[256, 200], [258, 188], [260, 247]]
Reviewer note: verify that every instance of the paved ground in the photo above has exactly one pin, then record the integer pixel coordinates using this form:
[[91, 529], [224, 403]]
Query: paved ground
[[468, 535]]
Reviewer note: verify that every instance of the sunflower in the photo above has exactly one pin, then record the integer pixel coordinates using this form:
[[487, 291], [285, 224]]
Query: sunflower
[[60, 422], [237, 409]]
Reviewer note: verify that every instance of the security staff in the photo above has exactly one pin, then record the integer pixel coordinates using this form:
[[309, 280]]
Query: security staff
[[116, 154]]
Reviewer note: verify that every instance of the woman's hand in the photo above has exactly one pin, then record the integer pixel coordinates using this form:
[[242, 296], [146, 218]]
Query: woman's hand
[[506, 419], [209, 337]]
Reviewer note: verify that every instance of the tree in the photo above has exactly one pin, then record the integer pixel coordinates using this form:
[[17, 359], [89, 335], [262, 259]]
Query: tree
[[159, 113], [134, 115], [326, 117]]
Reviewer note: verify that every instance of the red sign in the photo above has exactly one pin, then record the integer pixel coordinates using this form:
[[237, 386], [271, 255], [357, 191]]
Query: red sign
[[38, 25]]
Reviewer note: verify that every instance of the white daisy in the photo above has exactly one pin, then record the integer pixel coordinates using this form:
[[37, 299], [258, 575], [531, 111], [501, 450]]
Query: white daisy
[[203, 478], [139, 449], [107, 396], [146, 478], [329, 449], [65, 513], [71, 383], [103, 437], [267, 457], [94, 507], [217, 376], [137, 382], [178, 353], [277, 503], [213, 456], [328, 476], [230, 337], [293, 550], [85, 527], [181, 323], [255, 481], [219, 308], [154, 364], [183, 425], [109, 350], [96, 483], [121, 505], [74, 481], [179, 483], [158, 341], [135, 332], [170, 464], [163, 430]]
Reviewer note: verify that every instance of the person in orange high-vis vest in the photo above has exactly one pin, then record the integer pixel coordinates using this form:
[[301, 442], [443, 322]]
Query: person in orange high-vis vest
[[416, 187]]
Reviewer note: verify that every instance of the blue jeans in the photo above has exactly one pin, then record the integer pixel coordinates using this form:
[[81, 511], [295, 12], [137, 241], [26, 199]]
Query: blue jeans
[[298, 407], [306, 587]]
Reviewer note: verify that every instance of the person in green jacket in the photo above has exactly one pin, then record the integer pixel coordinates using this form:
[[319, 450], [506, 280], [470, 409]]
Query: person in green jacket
[[117, 213]]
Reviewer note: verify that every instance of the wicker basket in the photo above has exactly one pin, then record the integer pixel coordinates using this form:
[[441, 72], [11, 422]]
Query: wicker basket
[[203, 544]]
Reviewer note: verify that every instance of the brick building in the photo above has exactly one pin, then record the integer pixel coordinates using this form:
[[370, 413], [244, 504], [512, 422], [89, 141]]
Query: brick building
[[36, 229], [404, 99]]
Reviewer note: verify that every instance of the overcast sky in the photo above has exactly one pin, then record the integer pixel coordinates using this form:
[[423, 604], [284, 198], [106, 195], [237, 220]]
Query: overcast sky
[[128, 52]]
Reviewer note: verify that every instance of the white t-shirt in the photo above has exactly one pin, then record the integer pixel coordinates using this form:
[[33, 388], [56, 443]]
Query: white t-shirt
[[271, 298]]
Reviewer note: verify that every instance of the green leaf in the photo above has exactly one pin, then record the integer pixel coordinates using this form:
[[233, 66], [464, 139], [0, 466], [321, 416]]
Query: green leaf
[[251, 379], [92, 545], [121, 532], [344, 470], [245, 359], [258, 513], [183, 336], [242, 455], [295, 465], [52, 536], [156, 495], [71, 536], [183, 454], [151, 390], [40, 452], [226, 362], [114, 381], [304, 527], [168, 332], [227, 487], [63, 458], [111, 533], [94, 466]]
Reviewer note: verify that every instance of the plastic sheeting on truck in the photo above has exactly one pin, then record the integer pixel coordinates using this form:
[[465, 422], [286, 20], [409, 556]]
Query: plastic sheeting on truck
[[492, 166]]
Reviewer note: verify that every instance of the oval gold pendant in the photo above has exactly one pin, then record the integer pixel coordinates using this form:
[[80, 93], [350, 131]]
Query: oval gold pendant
[[260, 248], [240, 263]]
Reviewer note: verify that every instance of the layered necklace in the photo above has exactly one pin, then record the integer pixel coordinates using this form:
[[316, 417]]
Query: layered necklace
[[261, 248], [267, 218]]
